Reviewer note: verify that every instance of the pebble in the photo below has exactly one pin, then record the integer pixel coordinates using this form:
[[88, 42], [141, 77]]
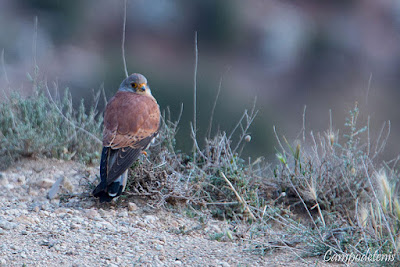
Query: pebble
[[3, 179], [132, 206], [14, 212], [9, 186], [67, 185], [150, 219], [223, 263], [21, 179], [7, 225], [45, 183], [92, 214], [140, 224], [75, 226], [55, 188], [79, 220], [14, 247], [123, 214]]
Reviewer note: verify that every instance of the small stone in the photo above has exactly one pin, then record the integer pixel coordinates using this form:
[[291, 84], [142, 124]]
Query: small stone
[[3, 179], [67, 185], [224, 264], [24, 219], [161, 257], [75, 226], [92, 214], [9, 186], [140, 224], [107, 225], [175, 224], [7, 225], [45, 183], [55, 188], [78, 220], [14, 247], [14, 212], [123, 214], [21, 179], [132, 206], [150, 219]]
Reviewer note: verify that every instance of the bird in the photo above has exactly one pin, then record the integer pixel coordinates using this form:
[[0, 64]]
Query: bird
[[131, 123]]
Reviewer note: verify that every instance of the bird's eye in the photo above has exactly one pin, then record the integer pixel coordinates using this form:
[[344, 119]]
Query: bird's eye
[[134, 85]]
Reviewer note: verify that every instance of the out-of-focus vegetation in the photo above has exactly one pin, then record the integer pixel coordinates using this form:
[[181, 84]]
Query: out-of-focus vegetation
[[41, 126], [329, 191], [325, 55]]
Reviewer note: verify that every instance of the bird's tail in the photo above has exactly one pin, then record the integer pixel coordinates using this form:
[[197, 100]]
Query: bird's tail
[[115, 189]]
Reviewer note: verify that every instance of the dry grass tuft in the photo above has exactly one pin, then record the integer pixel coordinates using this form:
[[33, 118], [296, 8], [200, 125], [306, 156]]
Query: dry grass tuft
[[350, 206]]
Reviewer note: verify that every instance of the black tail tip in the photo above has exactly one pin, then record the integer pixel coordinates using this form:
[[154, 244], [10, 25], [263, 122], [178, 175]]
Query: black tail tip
[[100, 193], [103, 196]]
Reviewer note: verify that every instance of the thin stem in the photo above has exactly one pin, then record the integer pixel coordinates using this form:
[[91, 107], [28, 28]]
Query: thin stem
[[123, 41], [215, 105], [195, 96], [34, 51], [3, 63], [95, 138]]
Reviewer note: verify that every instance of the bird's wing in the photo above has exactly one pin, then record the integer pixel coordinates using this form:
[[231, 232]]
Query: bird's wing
[[131, 122]]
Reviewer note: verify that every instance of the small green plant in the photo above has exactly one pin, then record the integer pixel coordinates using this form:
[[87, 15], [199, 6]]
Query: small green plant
[[222, 236]]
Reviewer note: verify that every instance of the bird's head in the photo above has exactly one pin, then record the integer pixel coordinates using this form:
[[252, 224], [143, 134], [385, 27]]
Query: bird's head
[[135, 83]]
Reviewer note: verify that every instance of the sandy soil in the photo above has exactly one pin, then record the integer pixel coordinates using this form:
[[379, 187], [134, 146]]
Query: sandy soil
[[73, 229]]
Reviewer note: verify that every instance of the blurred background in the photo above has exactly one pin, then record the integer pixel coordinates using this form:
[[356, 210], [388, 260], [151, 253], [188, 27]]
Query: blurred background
[[325, 55]]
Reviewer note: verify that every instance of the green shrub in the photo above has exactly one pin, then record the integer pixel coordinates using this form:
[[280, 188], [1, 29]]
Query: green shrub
[[40, 126]]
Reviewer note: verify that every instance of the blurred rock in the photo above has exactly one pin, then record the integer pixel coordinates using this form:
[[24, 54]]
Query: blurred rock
[[6, 225], [132, 206], [67, 185], [45, 183], [55, 188], [3, 179]]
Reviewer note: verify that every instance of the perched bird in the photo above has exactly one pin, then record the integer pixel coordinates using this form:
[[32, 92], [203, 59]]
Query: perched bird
[[131, 122]]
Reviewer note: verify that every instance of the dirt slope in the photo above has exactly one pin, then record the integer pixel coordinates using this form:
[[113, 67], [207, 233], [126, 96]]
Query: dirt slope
[[78, 231]]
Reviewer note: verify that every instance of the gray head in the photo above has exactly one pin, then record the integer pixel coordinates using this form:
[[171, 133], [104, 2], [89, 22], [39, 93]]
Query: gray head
[[135, 83]]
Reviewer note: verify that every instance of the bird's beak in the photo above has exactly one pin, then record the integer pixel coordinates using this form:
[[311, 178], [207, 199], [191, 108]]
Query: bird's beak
[[143, 87]]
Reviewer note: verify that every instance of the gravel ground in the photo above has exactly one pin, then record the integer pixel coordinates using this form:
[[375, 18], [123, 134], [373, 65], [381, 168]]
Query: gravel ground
[[73, 229]]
